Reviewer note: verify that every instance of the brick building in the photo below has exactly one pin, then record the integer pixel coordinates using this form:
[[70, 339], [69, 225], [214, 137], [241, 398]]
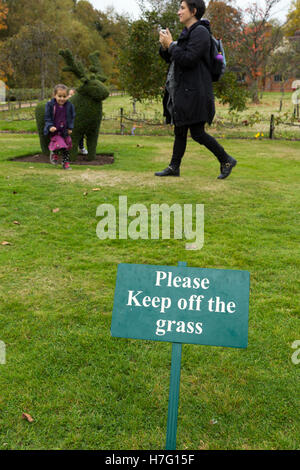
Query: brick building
[[275, 82]]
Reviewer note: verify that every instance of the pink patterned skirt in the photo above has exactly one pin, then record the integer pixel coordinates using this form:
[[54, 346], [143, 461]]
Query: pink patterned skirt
[[57, 142]]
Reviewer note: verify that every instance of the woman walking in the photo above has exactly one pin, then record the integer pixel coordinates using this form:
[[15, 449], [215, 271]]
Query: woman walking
[[189, 101]]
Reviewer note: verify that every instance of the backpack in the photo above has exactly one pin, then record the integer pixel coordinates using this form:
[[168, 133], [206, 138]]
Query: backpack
[[217, 64], [217, 58]]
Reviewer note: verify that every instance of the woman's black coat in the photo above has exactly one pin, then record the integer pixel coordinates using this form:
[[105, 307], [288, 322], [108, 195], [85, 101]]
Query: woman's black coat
[[194, 99]]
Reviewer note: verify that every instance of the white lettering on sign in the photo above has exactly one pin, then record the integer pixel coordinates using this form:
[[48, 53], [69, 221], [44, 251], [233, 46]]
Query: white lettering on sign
[[177, 281], [217, 305], [163, 326], [193, 303], [157, 302], [203, 303]]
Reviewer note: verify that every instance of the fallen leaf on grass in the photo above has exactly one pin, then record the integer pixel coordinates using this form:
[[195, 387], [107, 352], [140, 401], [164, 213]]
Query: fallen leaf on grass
[[55, 210], [96, 189], [213, 421], [16, 222], [5, 243], [191, 246], [27, 417]]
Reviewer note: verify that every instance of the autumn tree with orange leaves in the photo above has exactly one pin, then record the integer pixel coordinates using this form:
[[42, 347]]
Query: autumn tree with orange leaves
[[3, 26], [3, 15], [32, 56], [259, 37]]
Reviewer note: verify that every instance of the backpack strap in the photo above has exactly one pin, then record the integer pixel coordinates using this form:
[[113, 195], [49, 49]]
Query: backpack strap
[[208, 64]]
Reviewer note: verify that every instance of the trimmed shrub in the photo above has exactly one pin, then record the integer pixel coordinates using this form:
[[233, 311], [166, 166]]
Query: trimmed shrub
[[87, 102]]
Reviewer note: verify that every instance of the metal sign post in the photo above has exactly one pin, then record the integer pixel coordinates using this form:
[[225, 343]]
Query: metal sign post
[[173, 397], [174, 392]]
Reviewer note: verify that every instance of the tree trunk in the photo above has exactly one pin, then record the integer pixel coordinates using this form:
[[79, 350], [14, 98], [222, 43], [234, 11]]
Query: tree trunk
[[254, 92], [134, 106], [42, 79]]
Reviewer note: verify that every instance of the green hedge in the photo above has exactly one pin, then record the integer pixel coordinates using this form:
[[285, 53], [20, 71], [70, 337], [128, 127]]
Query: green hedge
[[26, 94]]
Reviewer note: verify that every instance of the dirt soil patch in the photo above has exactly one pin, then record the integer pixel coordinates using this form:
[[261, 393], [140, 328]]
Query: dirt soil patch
[[101, 159]]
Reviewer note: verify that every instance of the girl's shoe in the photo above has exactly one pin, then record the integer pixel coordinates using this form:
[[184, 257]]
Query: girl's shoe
[[66, 166], [53, 158]]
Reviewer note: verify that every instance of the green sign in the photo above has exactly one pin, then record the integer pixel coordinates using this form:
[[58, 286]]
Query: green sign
[[182, 305]]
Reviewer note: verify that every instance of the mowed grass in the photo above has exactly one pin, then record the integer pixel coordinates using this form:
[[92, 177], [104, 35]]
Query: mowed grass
[[87, 390], [148, 118]]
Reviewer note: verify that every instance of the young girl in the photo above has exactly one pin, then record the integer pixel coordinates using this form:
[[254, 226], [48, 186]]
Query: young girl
[[59, 122]]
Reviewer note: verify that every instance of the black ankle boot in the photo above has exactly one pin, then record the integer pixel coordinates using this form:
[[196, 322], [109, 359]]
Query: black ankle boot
[[169, 171], [226, 168]]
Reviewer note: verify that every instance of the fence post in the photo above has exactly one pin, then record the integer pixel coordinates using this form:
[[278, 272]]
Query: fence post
[[272, 127], [121, 122]]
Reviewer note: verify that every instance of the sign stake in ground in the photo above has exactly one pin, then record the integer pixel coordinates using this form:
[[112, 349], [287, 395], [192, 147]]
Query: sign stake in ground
[[174, 392], [181, 305], [173, 397]]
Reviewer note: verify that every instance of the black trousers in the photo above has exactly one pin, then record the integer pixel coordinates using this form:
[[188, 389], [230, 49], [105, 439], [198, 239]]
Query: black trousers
[[199, 135]]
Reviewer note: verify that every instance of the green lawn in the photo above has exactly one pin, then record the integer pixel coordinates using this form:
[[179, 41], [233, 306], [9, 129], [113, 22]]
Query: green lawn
[[148, 118], [87, 390]]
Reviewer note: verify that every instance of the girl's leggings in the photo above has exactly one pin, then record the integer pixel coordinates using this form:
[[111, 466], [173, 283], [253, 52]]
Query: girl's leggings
[[65, 155]]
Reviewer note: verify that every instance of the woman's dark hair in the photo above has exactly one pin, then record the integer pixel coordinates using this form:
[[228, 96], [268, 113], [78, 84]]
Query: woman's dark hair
[[199, 5]]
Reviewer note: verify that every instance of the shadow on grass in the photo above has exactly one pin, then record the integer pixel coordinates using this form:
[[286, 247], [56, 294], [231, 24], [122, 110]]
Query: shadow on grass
[[101, 159]]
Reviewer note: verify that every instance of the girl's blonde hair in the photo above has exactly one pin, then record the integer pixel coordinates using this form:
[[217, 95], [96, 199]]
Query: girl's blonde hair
[[60, 86]]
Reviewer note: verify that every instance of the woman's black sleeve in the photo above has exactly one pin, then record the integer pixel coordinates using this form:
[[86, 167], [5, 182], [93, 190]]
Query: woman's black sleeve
[[165, 54], [197, 47]]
